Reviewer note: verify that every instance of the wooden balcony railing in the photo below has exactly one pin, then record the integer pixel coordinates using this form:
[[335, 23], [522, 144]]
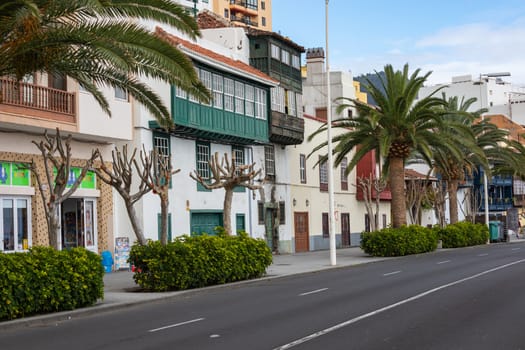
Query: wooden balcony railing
[[28, 95]]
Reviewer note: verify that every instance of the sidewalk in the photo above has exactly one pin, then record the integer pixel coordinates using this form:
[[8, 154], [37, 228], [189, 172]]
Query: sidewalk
[[120, 290]]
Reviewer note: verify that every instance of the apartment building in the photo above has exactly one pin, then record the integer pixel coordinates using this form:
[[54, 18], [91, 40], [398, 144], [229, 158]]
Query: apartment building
[[250, 13]]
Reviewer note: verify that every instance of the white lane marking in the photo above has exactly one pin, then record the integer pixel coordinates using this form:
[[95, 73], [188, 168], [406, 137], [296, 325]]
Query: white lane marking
[[214, 336], [313, 292], [484, 254], [391, 306], [515, 248], [391, 273], [443, 262], [176, 325]]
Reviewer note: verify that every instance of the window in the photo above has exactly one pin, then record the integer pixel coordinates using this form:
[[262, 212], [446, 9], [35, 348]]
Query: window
[[180, 93], [326, 230], [350, 113], [249, 96], [290, 102], [217, 91], [269, 161], [277, 99], [229, 93], [203, 156], [282, 213], [159, 223], [260, 212], [260, 104], [384, 220], [285, 57], [15, 223], [323, 175], [263, 21], [239, 97], [296, 62], [367, 223], [161, 144], [263, 5], [251, 4], [344, 177], [320, 113], [120, 93], [226, 13], [299, 102], [238, 157], [276, 51], [302, 168]]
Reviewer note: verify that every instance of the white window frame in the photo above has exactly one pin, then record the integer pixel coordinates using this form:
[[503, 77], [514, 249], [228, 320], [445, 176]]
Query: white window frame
[[260, 104], [296, 62], [206, 78], [203, 154], [18, 246], [239, 97], [302, 168], [292, 105], [285, 57], [218, 89], [269, 160], [275, 51], [249, 96], [180, 93], [278, 99], [229, 94]]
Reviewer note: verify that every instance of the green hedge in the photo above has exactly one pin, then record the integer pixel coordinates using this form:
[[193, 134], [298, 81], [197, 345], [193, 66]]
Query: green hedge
[[46, 280], [199, 261], [405, 240], [463, 234]]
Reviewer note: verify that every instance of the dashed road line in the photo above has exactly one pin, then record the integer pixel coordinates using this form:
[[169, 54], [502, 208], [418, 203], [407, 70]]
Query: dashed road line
[[176, 325], [443, 262], [392, 273], [313, 292]]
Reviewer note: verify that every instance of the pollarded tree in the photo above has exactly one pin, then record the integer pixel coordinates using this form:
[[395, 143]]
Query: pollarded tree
[[120, 176], [227, 175], [57, 183], [159, 181], [100, 43], [397, 126]]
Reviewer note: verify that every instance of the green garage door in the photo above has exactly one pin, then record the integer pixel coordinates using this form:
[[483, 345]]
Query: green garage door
[[205, 222]]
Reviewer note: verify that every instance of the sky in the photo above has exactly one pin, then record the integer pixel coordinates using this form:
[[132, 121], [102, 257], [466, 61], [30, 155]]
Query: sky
[[447, 37]]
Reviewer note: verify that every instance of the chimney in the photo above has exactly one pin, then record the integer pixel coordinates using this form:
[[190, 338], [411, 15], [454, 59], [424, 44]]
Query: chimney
[[314, 61]]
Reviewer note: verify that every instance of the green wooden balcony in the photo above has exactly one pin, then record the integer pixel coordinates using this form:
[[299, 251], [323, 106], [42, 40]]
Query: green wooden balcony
[[286, 130]]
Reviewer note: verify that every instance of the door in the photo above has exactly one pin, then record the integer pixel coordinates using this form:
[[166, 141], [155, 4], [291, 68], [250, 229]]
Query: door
[[302, 239], [205, 222], [79, 224], [240, 223], [90, 239], [345, 229]]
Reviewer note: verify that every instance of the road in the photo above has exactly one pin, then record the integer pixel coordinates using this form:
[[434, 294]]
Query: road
[[469, 298]]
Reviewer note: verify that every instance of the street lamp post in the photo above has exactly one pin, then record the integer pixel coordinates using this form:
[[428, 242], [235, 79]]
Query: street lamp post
[[331, 214], [485, 180]]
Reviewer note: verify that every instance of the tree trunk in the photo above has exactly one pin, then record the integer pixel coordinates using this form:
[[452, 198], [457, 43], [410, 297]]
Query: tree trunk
[[397, 188], [53, 222], [164, 201], [134, 223], [226, 215], [453, 200]]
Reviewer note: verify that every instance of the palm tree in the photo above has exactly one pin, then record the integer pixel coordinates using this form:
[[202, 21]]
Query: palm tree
[[99, 43], [398, 126]]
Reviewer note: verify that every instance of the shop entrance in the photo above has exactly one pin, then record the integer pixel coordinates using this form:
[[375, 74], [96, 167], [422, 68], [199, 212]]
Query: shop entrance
[[78, 217]]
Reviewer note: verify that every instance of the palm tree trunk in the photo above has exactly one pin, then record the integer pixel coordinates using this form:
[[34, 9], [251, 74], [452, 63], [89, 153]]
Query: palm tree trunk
[[226, 215], [453, 200], [397, 188]]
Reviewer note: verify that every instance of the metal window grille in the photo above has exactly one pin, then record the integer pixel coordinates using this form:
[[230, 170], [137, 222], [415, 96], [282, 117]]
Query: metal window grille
[[269, 160], [302, 168], [203, 156], [323, 176]]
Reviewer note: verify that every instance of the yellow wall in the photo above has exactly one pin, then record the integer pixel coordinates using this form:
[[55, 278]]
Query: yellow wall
[[361, 96]]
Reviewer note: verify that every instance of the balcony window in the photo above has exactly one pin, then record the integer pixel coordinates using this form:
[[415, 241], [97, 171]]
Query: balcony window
[[278, 99], [285, 57], [296, 62], [276, 52], [260, 104], [249, 100], [239, 97], [218, 86], [229, 93], [291, 103]]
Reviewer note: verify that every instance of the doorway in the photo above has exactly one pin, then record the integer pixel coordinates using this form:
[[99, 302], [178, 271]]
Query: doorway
[[302, 239], [78, 216], [345, 229]]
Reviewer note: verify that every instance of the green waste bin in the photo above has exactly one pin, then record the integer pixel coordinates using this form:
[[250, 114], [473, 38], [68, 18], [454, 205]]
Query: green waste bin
[[495, 229]]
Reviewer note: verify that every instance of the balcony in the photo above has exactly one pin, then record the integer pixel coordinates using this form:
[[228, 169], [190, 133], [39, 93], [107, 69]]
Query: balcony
[[286, 130], [29, 100], [243, 6], [244, 19]]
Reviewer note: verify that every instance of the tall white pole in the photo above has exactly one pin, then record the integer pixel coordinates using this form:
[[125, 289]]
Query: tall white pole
[[331, 213]]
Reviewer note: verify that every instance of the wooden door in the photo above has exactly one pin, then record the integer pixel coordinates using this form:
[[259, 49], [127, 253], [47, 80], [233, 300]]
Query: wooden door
[[302, 239], [345, 229]]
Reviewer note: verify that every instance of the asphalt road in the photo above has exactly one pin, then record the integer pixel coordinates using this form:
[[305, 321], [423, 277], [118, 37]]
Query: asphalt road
[[468, 298]]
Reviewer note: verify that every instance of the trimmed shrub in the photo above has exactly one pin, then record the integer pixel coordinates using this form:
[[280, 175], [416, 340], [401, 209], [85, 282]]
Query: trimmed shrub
[[46, 280], [405, 240], [463, 234], [199, 261]]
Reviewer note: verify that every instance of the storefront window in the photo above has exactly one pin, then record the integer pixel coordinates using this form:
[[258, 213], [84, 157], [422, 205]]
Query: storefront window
[[15, 223]]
